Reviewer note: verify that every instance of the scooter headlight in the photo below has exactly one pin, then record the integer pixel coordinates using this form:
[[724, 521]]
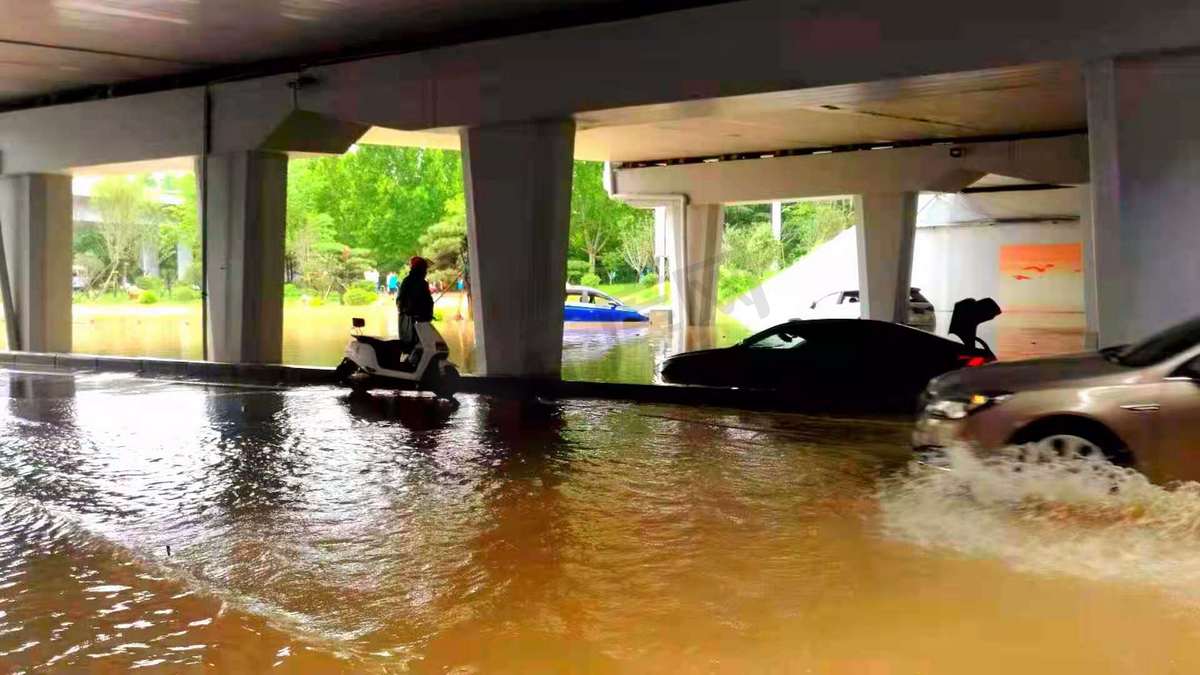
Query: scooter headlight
[[958, 408]]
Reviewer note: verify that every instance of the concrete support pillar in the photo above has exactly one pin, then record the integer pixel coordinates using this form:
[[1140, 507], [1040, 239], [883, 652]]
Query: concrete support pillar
[[183, 260], [149, 255], [1091, 310], [777, 220], [518, 189], [247, 202], [1144, 148], [661, 254], [35, 216], [886, 231], [697, 242]]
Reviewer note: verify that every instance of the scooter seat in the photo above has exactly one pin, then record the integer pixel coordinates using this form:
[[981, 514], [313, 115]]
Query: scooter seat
[[391, 354]]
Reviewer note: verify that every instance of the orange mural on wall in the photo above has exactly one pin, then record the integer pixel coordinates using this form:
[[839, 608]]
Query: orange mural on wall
[[1041, 277]]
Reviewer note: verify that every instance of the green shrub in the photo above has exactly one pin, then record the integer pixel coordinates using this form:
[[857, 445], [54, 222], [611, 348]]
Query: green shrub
[[365, 285], [149, 283], [359, 296], [148, 298], [732, 282], [576, 269], [292, 291], [184, 294], [648, 279], [316, 301], [589, 279]]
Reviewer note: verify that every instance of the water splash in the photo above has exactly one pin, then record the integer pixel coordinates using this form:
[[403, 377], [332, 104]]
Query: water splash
[[1077, 517]]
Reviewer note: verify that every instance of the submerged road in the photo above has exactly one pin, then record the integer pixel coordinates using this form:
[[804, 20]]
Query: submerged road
[[149, 523]]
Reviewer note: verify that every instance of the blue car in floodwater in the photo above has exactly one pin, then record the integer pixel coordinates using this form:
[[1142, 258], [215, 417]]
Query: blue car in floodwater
[[589, 304]]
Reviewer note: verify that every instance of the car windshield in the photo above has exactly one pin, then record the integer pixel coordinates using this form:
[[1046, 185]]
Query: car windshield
[[1161, 346]]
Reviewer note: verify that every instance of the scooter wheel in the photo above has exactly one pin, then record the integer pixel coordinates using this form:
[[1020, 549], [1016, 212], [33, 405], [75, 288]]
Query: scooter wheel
[[446, 385], [344, 370]]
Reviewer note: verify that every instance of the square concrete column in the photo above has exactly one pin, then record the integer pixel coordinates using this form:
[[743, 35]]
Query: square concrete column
[[1144, 145], [35, 216], [247, 202], [886, 231], [696, 238], [518, 189]]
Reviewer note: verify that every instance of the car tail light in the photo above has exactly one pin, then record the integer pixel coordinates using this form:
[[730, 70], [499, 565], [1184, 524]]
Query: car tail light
[[969, 361]]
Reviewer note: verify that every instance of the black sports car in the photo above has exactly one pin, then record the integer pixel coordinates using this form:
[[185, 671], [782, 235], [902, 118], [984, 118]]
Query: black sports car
[[834, 364]]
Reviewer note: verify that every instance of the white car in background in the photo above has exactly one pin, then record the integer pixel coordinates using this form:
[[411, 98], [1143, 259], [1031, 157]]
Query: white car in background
[[845, 305]]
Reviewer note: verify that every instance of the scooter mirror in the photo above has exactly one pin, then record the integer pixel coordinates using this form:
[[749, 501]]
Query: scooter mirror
[[358, 322]]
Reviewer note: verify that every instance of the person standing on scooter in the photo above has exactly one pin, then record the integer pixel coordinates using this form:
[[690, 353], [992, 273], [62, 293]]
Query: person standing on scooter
[[414, 301]]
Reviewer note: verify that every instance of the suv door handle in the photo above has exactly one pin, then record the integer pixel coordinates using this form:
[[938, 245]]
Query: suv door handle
[[1141, 407]]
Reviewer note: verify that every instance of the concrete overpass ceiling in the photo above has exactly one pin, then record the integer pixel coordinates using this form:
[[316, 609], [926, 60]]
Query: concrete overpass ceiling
[[54, 46], [1034, 98]]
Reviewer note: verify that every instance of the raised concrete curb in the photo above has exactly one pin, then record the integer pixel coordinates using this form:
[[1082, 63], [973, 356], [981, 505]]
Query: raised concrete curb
[[279, 375], [202, 371]]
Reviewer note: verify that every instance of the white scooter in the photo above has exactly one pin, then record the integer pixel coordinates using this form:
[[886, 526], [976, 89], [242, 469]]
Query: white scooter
[[376, 363]]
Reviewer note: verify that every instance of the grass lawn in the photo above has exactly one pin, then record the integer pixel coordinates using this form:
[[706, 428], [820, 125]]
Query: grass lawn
[[637, 295]]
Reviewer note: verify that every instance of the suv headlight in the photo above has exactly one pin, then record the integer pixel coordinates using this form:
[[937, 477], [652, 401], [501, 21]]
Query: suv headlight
[[958, 408]]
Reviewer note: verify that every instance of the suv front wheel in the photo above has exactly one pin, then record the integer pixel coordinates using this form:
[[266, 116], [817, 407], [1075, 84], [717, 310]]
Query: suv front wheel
[[1070, 438]]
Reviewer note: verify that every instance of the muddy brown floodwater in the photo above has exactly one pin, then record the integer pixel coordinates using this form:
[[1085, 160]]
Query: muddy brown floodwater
[[313, 532]]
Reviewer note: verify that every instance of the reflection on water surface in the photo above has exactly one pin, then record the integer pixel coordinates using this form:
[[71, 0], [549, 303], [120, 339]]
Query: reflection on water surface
[[329, 533]]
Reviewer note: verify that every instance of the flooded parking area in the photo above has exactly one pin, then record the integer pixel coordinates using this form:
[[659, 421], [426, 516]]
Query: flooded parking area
[[172, 527]]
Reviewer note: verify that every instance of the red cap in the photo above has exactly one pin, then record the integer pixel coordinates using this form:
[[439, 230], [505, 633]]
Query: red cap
[[417, 262]]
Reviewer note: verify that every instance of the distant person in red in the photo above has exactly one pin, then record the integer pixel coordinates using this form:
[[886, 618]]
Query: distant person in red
[[414, 301]]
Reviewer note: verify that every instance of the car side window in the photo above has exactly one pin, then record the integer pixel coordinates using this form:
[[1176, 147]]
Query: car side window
[[1190, 369], [777, 340]]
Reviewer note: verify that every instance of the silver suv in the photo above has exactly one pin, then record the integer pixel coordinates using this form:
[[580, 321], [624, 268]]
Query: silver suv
[[1139, 405]]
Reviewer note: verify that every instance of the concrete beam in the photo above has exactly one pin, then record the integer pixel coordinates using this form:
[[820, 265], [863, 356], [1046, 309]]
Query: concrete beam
[[751, 47], [247, 201], [518, 185], [930, 168], [35, 218], [1146, 159], [888, 223], [611, 73], [251, 115], [56, 138]]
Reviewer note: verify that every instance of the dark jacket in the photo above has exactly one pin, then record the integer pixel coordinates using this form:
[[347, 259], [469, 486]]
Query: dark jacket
[[414, 298]]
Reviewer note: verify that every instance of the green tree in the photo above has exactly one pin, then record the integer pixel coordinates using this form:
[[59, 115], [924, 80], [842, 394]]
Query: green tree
[[738, 216], [125, 212], [808, 224], [444, 244], [335, 267], [637, 243], [752, 249], [379, 198], [308, 245], [596, 219], [576, 269], [613, 264]]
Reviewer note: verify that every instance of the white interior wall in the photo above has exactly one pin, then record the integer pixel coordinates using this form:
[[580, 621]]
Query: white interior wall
[[950, 261], [963, 261]]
